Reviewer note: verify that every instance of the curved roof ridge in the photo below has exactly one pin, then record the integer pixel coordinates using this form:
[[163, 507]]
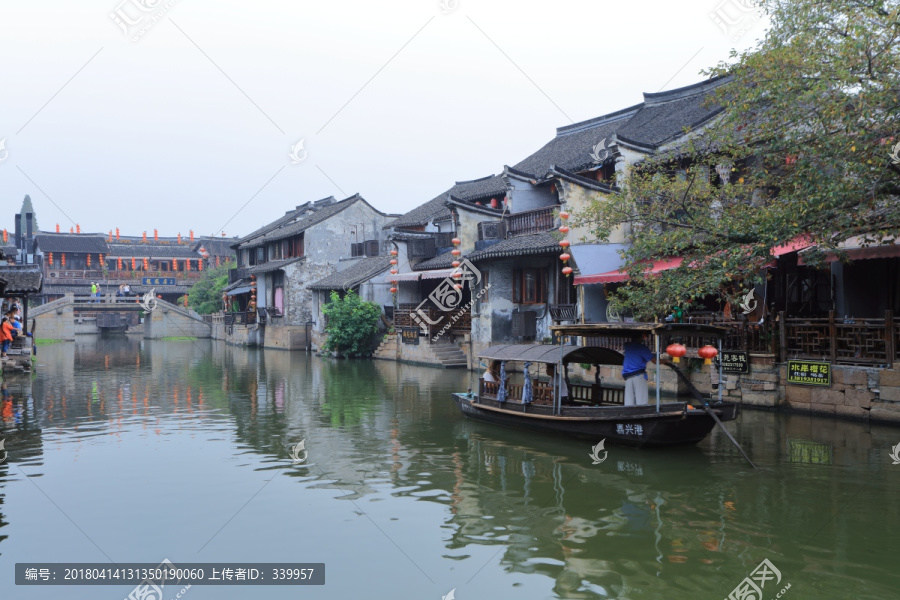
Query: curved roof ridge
[[701, 87], [601, 120]]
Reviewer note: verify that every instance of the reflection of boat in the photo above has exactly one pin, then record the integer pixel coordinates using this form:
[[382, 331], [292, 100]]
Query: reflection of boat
[[593, 410]]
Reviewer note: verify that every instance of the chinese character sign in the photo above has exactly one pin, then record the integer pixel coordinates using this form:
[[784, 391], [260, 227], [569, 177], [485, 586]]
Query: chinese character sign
[[808, 372]]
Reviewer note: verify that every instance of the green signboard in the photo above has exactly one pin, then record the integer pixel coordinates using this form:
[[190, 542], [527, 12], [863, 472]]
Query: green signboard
[[809, 372]]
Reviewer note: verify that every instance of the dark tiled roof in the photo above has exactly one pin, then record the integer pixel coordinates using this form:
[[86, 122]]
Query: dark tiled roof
[[21, 279], [664, 116], [274, 265], [154, 249], [571, 148], [538, 243], [288, 229], [288, 217], [236, 284], [216, 246], [88, 243], [470, 191], [7, 251], [441, 261], [661, 118], [360, 271], [405, 236]]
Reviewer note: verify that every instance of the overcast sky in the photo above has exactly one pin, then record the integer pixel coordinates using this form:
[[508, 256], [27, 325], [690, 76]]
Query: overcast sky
[[183, 114]]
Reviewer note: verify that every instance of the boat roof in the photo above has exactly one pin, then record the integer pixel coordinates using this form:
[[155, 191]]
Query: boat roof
[[550, 354], [626, 329]]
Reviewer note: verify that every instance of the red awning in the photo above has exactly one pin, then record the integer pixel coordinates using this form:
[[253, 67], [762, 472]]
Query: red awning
[[618, 276], [798, 243], [855, 250]]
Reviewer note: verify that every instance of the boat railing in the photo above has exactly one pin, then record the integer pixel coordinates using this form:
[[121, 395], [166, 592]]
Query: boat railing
[[542, 393]]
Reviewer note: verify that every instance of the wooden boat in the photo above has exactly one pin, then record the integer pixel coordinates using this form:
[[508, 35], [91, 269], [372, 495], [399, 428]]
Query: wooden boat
[[597, 411]]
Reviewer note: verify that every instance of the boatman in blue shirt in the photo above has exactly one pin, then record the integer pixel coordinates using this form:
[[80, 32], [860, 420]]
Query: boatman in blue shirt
[[634, 370]]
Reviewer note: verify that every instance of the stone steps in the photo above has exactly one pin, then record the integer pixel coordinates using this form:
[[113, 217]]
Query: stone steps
[[444, 355]]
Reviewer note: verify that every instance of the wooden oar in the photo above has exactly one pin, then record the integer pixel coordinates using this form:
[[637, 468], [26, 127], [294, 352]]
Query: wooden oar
[[703, 401]]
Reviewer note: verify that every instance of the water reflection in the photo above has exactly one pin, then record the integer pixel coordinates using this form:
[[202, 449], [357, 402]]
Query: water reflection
[[513, 507]]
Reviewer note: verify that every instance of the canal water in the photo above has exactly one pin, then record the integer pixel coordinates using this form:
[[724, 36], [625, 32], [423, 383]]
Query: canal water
[[137, 451]]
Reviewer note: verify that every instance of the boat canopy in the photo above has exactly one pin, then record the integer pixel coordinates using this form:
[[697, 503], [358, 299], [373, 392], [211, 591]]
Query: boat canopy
[[626, 329], [550, 354]]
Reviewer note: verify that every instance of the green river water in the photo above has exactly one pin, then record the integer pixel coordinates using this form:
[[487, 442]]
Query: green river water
[[124, 450]]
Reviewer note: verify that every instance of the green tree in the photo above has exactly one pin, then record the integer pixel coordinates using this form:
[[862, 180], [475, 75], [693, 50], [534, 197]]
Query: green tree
[[801, 151], [352, 324], [205, 296]]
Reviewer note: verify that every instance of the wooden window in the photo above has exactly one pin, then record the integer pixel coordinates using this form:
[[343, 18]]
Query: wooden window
[[260, 255], [565, 288], [530, 286]]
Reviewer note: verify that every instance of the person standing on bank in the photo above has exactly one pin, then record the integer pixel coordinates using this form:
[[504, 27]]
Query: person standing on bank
[[634, 371]]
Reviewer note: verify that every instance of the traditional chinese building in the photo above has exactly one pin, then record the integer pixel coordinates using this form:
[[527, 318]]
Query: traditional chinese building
[[278, 263]]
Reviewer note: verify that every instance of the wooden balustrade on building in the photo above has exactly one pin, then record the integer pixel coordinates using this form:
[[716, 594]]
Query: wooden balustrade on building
[[434, 318], [532, 221], [848, 341]]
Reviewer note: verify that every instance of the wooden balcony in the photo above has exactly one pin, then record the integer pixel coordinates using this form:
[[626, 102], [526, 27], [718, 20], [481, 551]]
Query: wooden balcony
[[403, 317], [84, 276], [532, 221]]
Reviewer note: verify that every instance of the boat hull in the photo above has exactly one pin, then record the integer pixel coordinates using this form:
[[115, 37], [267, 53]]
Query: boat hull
[[640, 426]]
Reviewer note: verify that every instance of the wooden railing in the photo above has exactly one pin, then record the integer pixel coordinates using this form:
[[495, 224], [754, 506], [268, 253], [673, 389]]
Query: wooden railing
[[562, 312], [542, 393], [532, 221], [403, 317], [113, 277], [852, 341]]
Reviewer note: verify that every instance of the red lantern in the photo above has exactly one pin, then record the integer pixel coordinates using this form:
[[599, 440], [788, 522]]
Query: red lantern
[[117, 234], [393, 290], [563, 215], [102, 262], [394, 253], [185, 300], [567, 271], [77, 228], [49, 256], [187, 264], [89, 260], [119, 264], [63, 260], [394, 271], [144, 237], [174, 264], [564, 243], [456, 241], [155, 235], [457, 275], [455, 252], [133, 265], [179, 237], [110, 236], [707, 353], [57, 230], [146, 265], [393, 261], [200, 265], [564, 229], [676, 351], [456, 263], [565, 256], [217, 261]]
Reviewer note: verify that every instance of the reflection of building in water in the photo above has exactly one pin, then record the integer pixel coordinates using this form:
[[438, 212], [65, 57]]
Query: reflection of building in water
[[20, 432], [570, 522]]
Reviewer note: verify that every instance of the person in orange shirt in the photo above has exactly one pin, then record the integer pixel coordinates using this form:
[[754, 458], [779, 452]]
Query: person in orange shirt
[[5, 335]]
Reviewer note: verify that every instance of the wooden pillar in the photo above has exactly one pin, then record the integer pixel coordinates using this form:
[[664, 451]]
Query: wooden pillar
[[889, 349], [832, 337], [782, 336]]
